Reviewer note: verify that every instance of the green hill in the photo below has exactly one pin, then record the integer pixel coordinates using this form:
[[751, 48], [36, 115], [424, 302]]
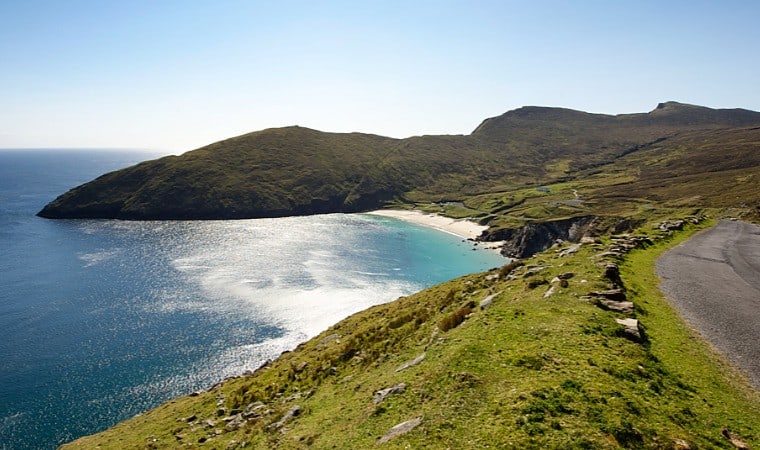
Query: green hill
[[531, 355], [297, 171]]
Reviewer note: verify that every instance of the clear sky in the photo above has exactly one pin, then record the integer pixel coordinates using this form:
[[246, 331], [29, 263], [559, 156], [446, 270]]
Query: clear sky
[[176, 75]]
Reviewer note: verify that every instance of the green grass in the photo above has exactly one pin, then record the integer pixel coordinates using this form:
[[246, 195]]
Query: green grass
[[529, 371]]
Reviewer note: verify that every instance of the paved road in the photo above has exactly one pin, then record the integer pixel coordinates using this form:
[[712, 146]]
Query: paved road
[[713, 280]]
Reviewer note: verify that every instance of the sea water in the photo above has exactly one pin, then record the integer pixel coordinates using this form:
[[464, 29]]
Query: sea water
[[103, 319]]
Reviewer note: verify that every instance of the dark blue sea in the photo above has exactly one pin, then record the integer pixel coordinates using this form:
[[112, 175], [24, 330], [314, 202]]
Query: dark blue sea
[[103, 319]]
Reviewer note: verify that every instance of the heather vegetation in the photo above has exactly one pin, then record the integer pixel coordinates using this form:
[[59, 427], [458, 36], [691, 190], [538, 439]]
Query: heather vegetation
[[528, 164]]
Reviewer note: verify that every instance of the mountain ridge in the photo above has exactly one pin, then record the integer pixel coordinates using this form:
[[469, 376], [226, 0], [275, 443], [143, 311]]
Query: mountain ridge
[[297, 170]]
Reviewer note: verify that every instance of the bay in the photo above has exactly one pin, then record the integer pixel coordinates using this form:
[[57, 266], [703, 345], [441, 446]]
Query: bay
[[103, 319]]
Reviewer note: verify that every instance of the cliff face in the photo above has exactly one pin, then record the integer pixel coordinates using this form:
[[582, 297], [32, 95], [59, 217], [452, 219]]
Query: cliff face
[[526, 241]]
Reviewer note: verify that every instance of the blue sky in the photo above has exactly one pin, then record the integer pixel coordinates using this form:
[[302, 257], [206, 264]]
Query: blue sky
[[176, 75]]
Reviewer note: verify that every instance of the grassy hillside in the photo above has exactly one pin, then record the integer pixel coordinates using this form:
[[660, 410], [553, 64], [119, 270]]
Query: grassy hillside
[[512, 358], [519, 357], [295, 170]]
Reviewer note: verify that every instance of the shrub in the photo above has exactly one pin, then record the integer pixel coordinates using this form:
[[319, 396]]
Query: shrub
[[506, 269], [454, 319]]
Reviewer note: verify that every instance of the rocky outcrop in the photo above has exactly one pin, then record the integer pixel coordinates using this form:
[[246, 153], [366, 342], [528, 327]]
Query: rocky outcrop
[[536, 237]]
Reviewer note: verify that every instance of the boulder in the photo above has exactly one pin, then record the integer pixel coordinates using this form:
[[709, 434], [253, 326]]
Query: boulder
[[398, 430], [382, 394], [411, 363], [631, 329], [292, 412]]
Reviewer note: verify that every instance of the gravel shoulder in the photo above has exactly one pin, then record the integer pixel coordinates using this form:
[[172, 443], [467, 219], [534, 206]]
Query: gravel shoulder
[[713, 280]]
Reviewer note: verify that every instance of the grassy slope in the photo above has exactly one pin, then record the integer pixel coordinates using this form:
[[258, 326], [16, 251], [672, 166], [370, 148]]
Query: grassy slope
[[528, 372]]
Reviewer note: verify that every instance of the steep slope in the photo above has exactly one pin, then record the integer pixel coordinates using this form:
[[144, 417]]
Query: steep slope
[[297, 171]]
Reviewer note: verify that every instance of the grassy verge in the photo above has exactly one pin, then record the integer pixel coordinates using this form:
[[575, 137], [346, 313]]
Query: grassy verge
[[515, 358]]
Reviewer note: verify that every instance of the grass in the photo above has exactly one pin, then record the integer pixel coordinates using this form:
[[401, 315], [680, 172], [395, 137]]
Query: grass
[[529, 371]]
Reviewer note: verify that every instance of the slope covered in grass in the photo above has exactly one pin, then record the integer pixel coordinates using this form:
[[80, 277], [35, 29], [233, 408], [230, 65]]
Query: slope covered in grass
[[490, 360]]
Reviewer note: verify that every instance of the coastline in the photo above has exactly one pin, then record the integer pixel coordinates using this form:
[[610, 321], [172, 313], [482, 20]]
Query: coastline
[[463, 228]]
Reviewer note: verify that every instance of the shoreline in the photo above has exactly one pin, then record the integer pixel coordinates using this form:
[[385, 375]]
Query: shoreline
[[463, 228]]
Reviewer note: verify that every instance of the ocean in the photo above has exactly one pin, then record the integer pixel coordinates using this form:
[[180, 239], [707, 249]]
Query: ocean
[[103, 319]]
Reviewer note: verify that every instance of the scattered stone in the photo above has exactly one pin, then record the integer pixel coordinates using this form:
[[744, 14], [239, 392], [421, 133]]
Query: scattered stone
[[532, 270], [612, 305], [383, 393], [398, 430], [566, 275], [411, 363], [671, 225], [550, 291], [486, 302], [570, 250], [221, 412], [292, 412], [236, 422], [611, 294], [609, 254], [192, 418], [630, 328], [254, 409], [329, 339], [300, 367], [735, 439], [680, 444], [208, 423]]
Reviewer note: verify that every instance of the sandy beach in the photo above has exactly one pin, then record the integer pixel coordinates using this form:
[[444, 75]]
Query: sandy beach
[[463, 228]]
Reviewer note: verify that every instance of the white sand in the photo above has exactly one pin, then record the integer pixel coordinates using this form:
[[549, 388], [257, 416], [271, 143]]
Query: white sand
[[460, 227]]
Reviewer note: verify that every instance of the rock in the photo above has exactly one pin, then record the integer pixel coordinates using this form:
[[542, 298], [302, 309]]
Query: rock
[[300, 367], [609, 254], [191, 418], [329, 339], [208, 423], [631, 329], [398, 430], [236, 422], [612, 305], [383, 393], [486, 302], [611, 294], [671, 225], [566, 275], [680, 444], [735, 440], [292, 412], [570, 250], [549, 292], [411, 363], [535, 237], [254, 409]]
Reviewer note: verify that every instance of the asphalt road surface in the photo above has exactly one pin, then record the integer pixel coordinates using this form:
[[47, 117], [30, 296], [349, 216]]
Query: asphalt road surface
[[713, 280]]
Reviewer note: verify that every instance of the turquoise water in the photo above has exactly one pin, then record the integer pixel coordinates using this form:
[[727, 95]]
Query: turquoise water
[[100, 320]]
